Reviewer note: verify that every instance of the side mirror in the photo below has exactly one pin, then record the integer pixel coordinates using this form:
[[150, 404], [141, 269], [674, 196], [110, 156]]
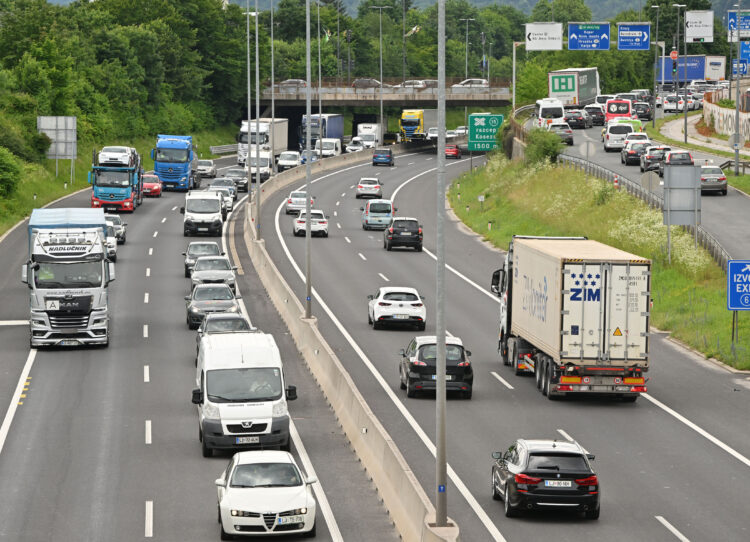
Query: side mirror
[[25, 274], [234, 268], [361, 208], [223, 253], [590, 457], [497, 277], [395, 209], [124, 223], [152, 154], [187, 298], [219, 482], [496, 455], [89, 177], [197, 396], [182, 210], [291, 393], [311, 480], [468, 352], [184, 253], [402, 352], [238, 297], [370, 297], [111, 266]]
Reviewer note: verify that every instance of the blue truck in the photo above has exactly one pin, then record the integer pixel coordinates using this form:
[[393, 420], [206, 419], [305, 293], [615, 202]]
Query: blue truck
[[325, 126], [175, 162], [116, 177]]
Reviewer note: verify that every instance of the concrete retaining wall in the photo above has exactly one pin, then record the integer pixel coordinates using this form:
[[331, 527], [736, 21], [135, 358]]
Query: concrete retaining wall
[[724, 118], [519, 149], [403, 496]]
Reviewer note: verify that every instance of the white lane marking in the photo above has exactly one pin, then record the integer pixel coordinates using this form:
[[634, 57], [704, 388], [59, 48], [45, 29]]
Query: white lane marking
[[428, 159], [235, 256], [174, 208], [352, 186], [145, 297], [410, 163], [338, 225], [163, 220], [11, 412], [151, 251], [464, 277], [502, 380], [348, 240], [145, 331], [361, 256], [337, 203], [672, 529], [382, 276], [567, 437], [470, 499], [14, 323], [335, 213], [149, 528], [156, 233], [731, 451], [148, 271], [148, 431], [343, 194], [317, 488], [146, 374]]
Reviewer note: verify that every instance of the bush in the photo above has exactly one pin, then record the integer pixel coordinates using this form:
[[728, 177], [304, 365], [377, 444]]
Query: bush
[[10, 172], [726, 102], [542, 145], [506, 140]]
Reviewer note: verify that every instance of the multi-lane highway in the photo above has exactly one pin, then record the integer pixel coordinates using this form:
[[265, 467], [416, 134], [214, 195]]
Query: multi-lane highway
[[102, 443], [676, 463]]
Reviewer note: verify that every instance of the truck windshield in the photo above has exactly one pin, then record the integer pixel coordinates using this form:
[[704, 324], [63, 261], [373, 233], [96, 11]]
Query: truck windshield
[[243, 385], [288, 156], [409, 122], [68, 275], [203, 205], [263, 139], [179, 156], [118, 179], [367, 137]]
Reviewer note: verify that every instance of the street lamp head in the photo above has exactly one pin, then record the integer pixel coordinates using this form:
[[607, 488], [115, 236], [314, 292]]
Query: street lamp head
[[655, 7], [678, 6]]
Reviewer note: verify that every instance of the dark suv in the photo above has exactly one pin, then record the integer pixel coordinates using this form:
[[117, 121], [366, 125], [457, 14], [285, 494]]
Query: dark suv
[[578, 119], [675, 158], [417, 368], [545, 475], [643, 110], [382, 156], [403, 232]]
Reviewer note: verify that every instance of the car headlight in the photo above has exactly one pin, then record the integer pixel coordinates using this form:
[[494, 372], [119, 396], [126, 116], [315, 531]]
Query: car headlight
[[211, 411], [37, 323], [279, 409], [196, 310], [183, 179], [298, 511], [233, 308], [243, 513]]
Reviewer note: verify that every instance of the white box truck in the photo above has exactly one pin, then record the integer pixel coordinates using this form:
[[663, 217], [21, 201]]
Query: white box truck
[[370, 134], [575, 313], [263, 127]]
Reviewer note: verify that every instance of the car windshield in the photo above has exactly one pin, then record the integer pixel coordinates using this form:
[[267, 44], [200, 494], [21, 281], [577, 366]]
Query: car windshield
[[226, 325], [212, 264], [263, 161], [114, 219], [213, 293], [222, 182], [367, 137], [236, 173], [559, 127], [68, 275], [150, 179], [110, 230], [368, 181], [116, 150], [207, 163], [288, 156], [593, 110], [551, 113], [312, 155], [638, 146], [453, 352], [679, 156], [203, 249], [400, 296], [633, 137], [712, 171], [557, 462], [380, 207], [620, 129], [203, 205], [118, 179], [243, 385], [179, 156], [266, 475], [316, 215], [329, 145], [573, 114], [657, 153]]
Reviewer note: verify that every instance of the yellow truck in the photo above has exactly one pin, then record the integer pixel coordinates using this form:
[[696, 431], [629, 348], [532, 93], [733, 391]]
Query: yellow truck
[[414, 123]]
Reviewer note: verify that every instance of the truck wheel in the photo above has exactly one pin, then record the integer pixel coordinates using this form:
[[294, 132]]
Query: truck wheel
[[502, 351], [543, 377], [511, 349], [411, 391], [629, 398], [516, 370], [552, 396], [538, 374]]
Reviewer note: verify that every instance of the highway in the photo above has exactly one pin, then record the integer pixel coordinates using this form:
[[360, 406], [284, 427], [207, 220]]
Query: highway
[[659, 459], [102, 443]]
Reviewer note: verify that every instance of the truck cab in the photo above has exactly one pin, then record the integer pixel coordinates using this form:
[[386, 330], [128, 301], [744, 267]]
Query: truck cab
[[175, 162], [116, 178], [328, 147]]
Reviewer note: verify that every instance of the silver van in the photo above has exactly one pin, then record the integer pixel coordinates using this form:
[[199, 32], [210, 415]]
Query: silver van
[[614, 137], [377, 214]]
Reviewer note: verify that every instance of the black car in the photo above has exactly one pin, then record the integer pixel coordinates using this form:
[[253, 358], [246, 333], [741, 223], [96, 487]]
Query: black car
[[578, 119], [632, 152], [643, 110], [596, 113], [675, 158], [403, 232], [545, 475], [651, 158], [417, 366]]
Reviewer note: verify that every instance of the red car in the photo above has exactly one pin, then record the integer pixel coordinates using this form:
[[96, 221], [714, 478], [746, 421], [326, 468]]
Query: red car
[[151, 186], [452, 151]]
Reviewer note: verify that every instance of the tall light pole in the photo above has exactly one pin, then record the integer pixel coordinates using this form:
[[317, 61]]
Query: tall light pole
[[737, 92], [380, 10], [684, 60], [257, 126], [320, 85], [308, 164], [466, 62], [489, 64], [403, 37], [273, 102], [249, 99], [656, 55]]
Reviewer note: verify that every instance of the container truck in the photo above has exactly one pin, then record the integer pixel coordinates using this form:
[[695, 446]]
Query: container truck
[[575, 313], [414, 123], [175, 162], [68, 273], [264, 128], [699, 68], [574, 87], [116, 180], [325, 126]]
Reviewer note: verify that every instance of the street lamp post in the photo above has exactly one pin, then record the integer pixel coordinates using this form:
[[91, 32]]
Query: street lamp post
[[489, 65], [684, 60], [320, 85], [257, 127], [308, 164], [656, 55], [273, 102], [380, 10], [737, 92], [403, 37], [466, 63]]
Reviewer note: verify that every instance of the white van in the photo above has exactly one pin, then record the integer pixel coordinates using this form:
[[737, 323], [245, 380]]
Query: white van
[[614, 137], [331, 147], [241, 394], [203, 213], [547, 110]]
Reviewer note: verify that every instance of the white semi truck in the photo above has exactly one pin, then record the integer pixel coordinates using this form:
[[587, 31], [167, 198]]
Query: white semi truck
[[264, 126], [68, 273], [575, 313]]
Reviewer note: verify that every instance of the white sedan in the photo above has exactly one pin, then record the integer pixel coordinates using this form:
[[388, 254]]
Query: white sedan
[[318, 223], [264, 492], [296, 202], [394, 305]]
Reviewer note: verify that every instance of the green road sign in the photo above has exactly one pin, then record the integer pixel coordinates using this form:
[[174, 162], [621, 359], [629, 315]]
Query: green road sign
[[483, 131]]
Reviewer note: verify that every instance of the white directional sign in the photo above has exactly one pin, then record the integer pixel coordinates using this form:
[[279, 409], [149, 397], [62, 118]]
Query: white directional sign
[[544, 36], [699, 26]]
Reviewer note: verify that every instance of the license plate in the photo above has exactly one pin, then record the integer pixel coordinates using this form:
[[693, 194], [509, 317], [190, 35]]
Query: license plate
[[558, 483], [110, 208], [202, 229], [247, 440], [400, 316], [447, 377], [69, 342], [290, 519], [405, 233]]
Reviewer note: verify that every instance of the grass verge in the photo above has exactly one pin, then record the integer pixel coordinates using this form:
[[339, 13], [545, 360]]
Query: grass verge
[[39, 186], [689, 296]]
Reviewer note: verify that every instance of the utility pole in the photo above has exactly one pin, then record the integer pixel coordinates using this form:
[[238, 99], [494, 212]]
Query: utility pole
[[257, 126], [737, 81], [466, 62], [656, 54], [380, 9], [308, 166], [403, 37]]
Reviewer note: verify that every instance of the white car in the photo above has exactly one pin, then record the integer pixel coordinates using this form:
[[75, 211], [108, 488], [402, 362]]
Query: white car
[[432, 134], [369, 187], [472, 83], [214, 270], [111, 242], [450, 134], [640, 137], [289, 159], [296, 202], [264, 492], [396, 305], [227, 202], [318, 223], [355, 145], [461, 130], [124, 156]]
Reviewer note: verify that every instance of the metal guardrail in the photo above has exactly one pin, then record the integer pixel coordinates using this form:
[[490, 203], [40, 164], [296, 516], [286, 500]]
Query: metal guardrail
[[223, 149]]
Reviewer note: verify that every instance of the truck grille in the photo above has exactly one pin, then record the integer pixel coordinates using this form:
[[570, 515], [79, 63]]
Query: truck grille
[[69, 321]]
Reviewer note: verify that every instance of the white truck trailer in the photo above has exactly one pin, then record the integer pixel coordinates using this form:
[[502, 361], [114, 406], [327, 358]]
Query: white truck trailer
[[264, 127], [575, 313]]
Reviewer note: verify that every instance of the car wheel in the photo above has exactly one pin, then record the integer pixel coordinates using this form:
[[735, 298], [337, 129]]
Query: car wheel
[[218, 514], [205, 450], [622, 160], [421, 326], [311, 533], [325, 234], [376, 324], [401, 383], [495, 495], [543, 378], [388, 246], [509, 510], [184, 233], [514, 361], [286, 447], [724, 192], [418, 248], [467, 394], [369, 319], [511, 349], [411, 391], [223, 534], [502, 352], [187, 272], [592, 514], [642, 170]]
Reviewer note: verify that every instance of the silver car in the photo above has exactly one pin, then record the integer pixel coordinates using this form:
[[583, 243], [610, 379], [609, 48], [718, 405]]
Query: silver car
[[214, 270], [121, 232], [206, 168], [207, 299], [369, 187], [297, 201], [196, 249], [713, 179]]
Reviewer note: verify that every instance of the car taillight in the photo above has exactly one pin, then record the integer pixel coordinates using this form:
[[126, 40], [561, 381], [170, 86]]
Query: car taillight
[[704, 179], [300, 222], [384, 304], [722, 178], [607, 136], [589, 481], [418, 363], [360, 186], [289, 200], [419, 231], [631, 152], [416, 304], [464, 363], [525, 479], [377, 186], [322, 222], [649, 157]]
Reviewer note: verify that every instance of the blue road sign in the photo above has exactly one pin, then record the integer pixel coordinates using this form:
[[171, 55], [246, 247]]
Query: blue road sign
[[745, 50], [744, 23], [738, 285], [588, 36], [743, 66], [633, 36]]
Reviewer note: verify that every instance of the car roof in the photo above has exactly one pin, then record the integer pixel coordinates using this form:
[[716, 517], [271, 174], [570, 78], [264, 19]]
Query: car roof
[[395, 289], [551, 445], [191, 243], [214, 285], [212, 257], [379, 201], [405, 218], [224, 316], [263, 456], [432, 339], [369, 179], [231, 350]]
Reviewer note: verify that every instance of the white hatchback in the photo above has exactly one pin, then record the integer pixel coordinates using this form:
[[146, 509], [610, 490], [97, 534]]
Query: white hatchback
[[318, 223], [395, 305], [264, 492]]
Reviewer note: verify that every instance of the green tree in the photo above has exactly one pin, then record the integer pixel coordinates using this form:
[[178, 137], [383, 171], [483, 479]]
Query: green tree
[[10, 172]]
